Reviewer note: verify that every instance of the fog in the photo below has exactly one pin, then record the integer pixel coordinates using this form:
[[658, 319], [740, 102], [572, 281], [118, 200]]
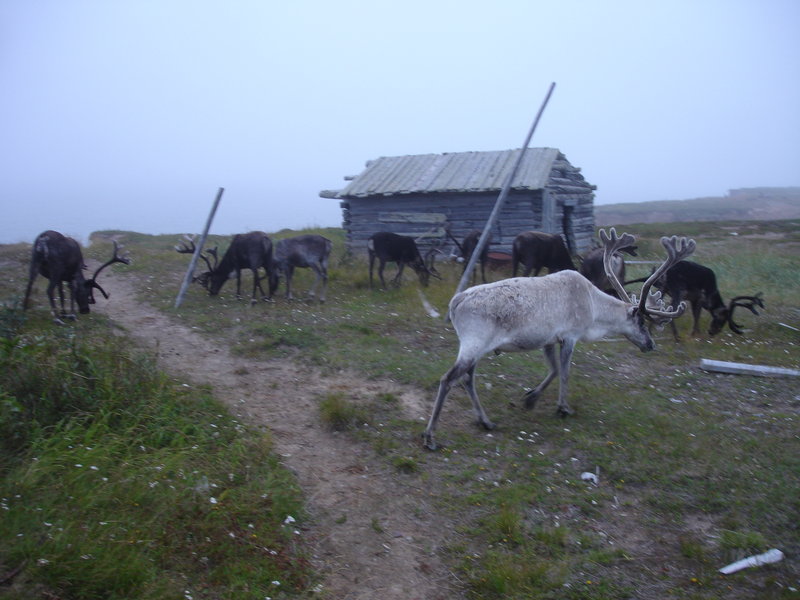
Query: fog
[[131, 114]]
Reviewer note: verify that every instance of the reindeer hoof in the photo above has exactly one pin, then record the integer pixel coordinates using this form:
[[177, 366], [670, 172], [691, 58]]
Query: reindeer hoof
[[564, 411], [487, 425], [429, 444], [530, 399]]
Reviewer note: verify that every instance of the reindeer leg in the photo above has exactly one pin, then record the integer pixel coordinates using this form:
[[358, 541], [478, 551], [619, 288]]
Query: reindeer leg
[[239, 284], [72, 315], [697, 309], [312, 292], [268, 276], [400, 266], [567, 347], [531, 397], [257, 285], [675, 302], [322, 275], [381, 266], [469, 385], [289, 274], [445, 383], [51, 296]]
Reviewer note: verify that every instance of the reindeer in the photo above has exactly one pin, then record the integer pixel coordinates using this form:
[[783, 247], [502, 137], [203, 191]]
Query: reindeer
[[247, 251], [467, 247], [58, 258], [697, 284], [524, 313], [536, 250], [592, 268], [304, 251], [387, 246]]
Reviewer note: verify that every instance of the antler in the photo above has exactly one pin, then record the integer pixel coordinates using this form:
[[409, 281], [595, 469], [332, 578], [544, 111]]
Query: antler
[[748, 302], [183, 248], [212, 252], [114, 259], [611, 244], [651, 303], [191, 249]]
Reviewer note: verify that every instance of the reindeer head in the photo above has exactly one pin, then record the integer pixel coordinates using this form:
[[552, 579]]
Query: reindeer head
[[85, 293], [650, 307], [190, 248], [724, 314], [424, 267]]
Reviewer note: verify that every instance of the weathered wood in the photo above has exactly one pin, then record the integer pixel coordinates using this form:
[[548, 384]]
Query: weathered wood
[[412, 217], [721, 366]]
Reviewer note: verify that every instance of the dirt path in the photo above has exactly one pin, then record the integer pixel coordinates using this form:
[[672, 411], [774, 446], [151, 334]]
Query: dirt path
[[373, 534]]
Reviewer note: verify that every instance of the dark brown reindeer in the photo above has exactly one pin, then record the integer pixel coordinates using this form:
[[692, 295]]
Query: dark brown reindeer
[[401, 249], [697, 285], [303, 251], [59, 259], [536, 250], [559, 310], [247, 251], [592, 268]]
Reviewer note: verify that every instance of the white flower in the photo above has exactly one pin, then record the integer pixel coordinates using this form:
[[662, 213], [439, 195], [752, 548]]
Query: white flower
[[212, 500], [288, 520]]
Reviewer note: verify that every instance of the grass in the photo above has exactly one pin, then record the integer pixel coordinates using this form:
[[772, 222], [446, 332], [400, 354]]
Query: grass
[[118, 482], [696, 469]]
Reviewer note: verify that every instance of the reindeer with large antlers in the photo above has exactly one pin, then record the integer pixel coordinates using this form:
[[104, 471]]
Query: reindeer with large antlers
[[697, 284], [526, 313], [58, 258], [247, 251]]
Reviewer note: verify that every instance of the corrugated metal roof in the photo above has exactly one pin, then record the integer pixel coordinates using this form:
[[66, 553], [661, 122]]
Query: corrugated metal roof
[[451, 172]]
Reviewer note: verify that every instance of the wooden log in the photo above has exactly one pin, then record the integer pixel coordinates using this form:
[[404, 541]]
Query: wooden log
[[721, 366]]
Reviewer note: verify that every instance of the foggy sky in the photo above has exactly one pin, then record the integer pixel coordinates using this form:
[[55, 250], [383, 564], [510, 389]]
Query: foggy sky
[[131, 114]]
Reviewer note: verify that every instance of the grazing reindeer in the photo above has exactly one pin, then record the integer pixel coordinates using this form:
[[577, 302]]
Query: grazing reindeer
[[247, 251], [467, 247], [697, 284], [526, 313], [387, 246], [536, 250], [592, 268], [59, 259], [303, 251]]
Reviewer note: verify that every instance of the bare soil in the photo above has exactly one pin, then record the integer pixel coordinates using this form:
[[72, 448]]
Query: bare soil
[[373, 534]]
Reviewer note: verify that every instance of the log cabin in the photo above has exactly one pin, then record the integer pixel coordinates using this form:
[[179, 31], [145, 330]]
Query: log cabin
[[421, 195]]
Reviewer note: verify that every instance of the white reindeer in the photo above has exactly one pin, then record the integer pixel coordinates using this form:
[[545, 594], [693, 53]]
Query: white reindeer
[[526, 313]]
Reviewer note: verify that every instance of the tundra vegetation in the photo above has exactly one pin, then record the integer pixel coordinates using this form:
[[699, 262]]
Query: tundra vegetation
[[695, 469]]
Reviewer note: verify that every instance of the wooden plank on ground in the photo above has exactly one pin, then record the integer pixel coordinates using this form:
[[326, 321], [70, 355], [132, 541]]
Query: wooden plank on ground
[[721, 366]]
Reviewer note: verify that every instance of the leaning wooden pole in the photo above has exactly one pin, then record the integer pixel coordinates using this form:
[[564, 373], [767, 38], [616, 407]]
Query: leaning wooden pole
[[501, 199], [198, 249]]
